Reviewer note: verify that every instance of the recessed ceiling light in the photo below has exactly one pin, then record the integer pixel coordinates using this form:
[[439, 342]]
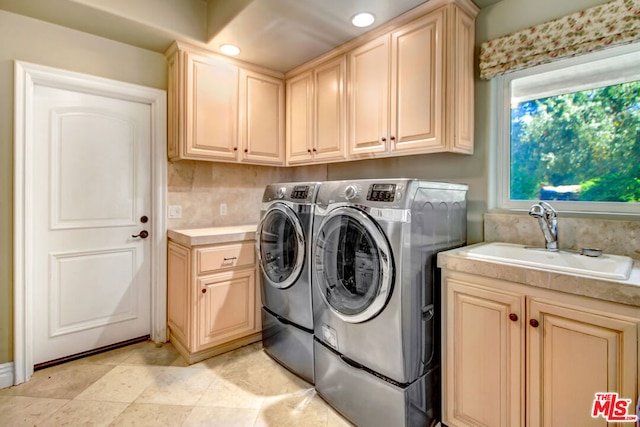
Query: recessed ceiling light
[[363, 19], [229, 49]]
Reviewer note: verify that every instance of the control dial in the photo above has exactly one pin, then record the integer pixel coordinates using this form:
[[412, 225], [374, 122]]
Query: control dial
[[282, 191], [351, 192]]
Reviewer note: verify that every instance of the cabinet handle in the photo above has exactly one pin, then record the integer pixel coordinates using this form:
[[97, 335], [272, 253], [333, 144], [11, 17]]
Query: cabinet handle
[[384, 139], [309, 150], [393, 138], [513, 317], [204, 290], [235, 148], [534, 323], [314, 150], [230, 259], [246, 150]]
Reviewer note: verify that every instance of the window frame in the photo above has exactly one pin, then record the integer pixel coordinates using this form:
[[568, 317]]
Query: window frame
[[501, 160]]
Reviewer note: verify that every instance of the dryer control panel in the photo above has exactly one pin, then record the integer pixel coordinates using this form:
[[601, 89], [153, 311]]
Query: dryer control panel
[[381, 192]]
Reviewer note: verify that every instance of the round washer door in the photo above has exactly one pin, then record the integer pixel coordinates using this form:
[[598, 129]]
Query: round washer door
[[280, 244], [353, 265]]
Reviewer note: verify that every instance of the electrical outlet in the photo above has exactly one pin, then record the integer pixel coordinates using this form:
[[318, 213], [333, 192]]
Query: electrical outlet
[[223, 209], [174, 212]]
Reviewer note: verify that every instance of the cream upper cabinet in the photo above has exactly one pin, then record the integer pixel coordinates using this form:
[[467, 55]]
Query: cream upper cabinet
[[299, 134], [203, 107], [219, 111], [316, 114], [515, 355], [411, 91], [417, 86], [330, 110], [369, 98], [262, 135]]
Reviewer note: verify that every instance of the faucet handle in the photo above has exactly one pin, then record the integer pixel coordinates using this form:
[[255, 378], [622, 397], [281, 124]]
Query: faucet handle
[[548, 209]]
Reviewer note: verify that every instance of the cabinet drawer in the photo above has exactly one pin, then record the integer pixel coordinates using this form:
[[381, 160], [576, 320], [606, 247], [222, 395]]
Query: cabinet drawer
[[224, 257]]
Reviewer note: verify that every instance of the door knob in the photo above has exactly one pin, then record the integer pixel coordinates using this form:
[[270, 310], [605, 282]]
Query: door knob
[[143, 234]]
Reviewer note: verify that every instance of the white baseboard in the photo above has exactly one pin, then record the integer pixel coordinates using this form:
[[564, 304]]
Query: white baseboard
[[6, 375]]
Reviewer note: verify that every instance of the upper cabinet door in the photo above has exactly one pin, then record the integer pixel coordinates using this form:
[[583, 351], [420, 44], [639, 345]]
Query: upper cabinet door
[[460, 109], [330, 110], [417, 85], [369, 98], [211, 109], [299, 138], [262, 118]]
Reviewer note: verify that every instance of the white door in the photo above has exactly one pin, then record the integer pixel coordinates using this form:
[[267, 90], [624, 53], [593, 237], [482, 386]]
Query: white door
[[91, 165]]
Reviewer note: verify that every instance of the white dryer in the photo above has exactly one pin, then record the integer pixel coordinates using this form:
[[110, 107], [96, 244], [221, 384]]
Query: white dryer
[[283, 246], [375, 295]]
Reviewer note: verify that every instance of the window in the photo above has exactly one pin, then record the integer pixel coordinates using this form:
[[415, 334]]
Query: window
[[570, 132]]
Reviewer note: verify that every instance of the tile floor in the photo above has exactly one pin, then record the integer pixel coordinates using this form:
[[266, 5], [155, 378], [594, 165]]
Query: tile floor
[[143, 385]]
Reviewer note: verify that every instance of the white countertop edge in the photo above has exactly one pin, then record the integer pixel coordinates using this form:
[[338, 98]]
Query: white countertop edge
[[212, 235], [621, 291]]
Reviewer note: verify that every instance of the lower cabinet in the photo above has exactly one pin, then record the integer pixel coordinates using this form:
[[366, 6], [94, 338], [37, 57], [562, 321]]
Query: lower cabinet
[[213, 298], [515, 355]]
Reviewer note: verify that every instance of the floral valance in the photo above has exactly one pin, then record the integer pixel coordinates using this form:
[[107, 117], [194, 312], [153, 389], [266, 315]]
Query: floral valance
[[613, 23]]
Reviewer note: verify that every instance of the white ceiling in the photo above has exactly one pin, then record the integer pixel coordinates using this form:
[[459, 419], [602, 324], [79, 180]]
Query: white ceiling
[[277, 34]]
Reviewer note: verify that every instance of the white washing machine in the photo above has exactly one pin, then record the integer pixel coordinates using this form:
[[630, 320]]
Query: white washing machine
[[376, 294], [283, 246]]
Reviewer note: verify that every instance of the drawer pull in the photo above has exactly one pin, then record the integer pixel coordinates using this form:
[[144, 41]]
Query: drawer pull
[[230, 259]]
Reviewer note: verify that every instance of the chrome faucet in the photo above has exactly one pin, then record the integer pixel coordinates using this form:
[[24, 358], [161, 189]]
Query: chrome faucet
[[548, 220]]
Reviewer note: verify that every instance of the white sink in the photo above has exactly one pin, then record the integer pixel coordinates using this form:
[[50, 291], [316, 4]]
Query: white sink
[[605, 266]]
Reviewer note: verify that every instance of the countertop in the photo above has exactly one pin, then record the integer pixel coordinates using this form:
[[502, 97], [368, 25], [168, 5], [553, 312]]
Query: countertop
[[620, 291], [212, 235]]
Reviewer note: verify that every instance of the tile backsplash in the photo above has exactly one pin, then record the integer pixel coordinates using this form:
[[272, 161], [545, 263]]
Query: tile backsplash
[[200, 187], [618, 237]]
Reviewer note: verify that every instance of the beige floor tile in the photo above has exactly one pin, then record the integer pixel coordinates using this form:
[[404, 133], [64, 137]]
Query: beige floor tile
[[260, 375], [221, 417], [177, 386], [85, 413], [304, 408], [124, 383], [148, 353], [223, 393], [152, 415], [59, 382], [18, 411]]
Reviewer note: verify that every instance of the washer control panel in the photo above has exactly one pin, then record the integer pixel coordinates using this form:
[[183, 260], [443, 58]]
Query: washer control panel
[[300, 192], [381, 192]]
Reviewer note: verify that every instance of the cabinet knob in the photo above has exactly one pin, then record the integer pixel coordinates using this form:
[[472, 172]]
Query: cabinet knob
[[314, 150], [513, 317], [393, 138], [246, 150], [384, 139], [534, 323], [309, 150], [235, 148], [204, 290]]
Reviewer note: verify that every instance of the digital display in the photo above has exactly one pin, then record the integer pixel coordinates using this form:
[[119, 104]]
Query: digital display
[[382, 192], [300, 192]]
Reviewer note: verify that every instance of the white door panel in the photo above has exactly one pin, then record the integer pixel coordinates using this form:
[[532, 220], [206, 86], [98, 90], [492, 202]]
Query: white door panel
[[91, 163]]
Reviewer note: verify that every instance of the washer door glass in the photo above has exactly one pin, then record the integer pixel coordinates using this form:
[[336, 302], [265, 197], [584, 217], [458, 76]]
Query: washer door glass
[[353, 265], [280, 246]]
